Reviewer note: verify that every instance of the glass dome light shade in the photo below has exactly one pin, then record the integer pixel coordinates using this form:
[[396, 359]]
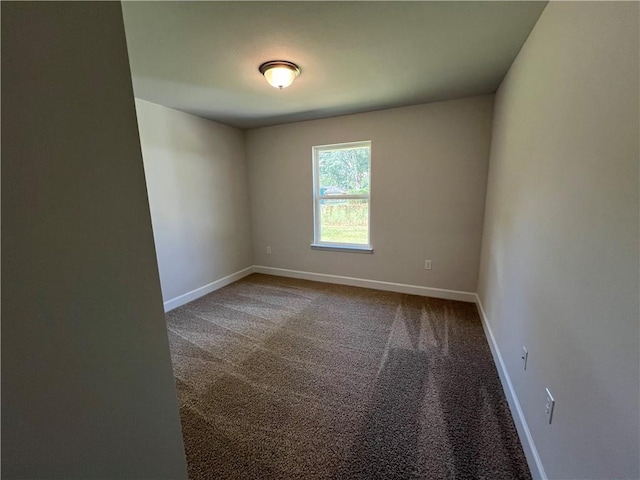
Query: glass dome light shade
[[279, 74]]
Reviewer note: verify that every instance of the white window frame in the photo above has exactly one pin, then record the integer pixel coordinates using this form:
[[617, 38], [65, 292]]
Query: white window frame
[[317, 243]]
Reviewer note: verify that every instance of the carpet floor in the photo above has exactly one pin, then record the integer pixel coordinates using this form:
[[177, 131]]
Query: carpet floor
[[281, 378]]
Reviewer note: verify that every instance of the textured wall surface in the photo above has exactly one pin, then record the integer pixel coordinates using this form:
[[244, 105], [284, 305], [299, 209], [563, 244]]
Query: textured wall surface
[[560, 251], [428, 181], [196, 175], [87, 386]]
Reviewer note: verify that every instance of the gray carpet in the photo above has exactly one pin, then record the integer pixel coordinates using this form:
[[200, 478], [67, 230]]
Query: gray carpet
[[291, 379]]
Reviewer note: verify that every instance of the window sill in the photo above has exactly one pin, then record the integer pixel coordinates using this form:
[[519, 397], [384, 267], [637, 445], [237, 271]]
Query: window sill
[[342, 248]]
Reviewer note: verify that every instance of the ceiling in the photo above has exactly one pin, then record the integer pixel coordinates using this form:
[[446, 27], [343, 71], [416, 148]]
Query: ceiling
[[203, 57]]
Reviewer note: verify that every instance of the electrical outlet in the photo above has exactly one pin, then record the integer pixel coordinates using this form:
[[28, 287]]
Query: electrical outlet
[[524, 357], [269, 250], [427, 264], [548, 407]]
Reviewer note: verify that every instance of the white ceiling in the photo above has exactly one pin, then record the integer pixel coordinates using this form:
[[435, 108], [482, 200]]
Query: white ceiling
[[203, 57]]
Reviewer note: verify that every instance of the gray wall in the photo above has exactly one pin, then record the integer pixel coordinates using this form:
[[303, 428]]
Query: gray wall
[[429, 167], [560, 257], [87, 387], [197, 180]]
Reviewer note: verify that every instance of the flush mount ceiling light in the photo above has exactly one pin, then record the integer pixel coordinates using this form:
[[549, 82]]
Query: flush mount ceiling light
[[279, 73]]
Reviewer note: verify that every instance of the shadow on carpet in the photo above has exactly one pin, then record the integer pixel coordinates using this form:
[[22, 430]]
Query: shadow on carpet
[[281, 378]]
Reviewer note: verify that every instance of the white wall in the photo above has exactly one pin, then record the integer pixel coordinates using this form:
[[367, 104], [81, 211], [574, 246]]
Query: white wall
[[560, 255], [429, 167], [87, 386], [197, 181]]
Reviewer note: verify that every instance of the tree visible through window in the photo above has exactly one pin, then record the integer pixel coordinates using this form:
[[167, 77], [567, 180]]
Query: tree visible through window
[[342, 176]]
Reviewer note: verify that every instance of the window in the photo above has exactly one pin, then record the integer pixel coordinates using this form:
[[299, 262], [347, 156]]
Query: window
[[341, 193]]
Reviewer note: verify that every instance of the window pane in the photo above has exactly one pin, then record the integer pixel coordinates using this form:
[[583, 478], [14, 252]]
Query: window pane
[[344, 172], [344, 221]]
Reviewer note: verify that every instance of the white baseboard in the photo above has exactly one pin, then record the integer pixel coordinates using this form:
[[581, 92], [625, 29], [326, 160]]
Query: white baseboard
[[375, 284], [528, 445], [208, 288]]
